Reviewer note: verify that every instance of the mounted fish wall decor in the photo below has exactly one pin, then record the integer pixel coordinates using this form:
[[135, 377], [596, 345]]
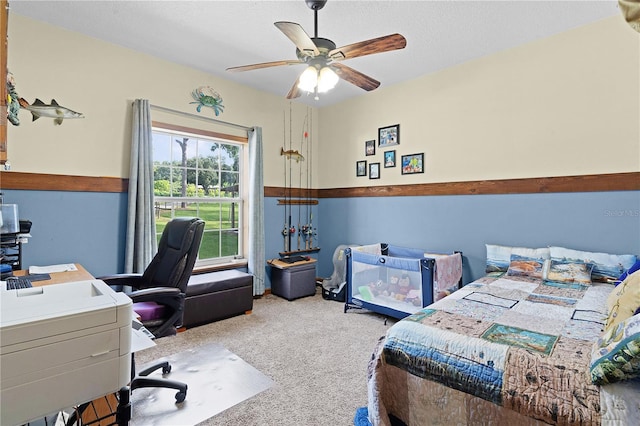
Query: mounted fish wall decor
[[207, 96], [53, 110], [292, 154], [12, 101]]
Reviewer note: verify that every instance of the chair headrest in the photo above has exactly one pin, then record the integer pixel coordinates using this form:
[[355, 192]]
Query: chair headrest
[[177, 231]]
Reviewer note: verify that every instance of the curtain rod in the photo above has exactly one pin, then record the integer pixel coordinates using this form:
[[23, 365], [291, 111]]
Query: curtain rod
[[187, 114]]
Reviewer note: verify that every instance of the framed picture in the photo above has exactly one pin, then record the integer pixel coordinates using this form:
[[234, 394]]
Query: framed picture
[[390, 158], [361, 168], [370, 148], [374, 171], [389, 136], [413, 163]]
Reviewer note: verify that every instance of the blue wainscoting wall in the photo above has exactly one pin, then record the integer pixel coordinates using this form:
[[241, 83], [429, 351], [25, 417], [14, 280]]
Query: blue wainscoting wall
[[84, 227], [594, 221], [89, 227]]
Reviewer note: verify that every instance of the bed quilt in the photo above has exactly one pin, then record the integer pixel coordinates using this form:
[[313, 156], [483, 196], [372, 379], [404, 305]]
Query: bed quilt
[[519, 343]]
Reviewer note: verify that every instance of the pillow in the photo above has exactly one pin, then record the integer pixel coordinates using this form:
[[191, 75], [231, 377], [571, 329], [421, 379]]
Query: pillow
[[606, 267], [499, 257], [616, 354], [523, 266], [624, 300], [625, 274], [569, 272]]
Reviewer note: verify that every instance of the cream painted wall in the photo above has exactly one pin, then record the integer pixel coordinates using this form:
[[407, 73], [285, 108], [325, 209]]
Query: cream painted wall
[[565, 105], [101, 80], [561, 106]]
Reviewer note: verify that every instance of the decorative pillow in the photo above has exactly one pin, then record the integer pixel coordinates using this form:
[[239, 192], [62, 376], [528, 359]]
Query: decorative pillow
[[606, 267], [624, 300], [499, 257], [569, 272], [616, 355], [523, 266], [625, 274]]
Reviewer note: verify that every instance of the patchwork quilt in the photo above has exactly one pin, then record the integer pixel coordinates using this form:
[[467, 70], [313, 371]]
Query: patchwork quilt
[[513, 349]]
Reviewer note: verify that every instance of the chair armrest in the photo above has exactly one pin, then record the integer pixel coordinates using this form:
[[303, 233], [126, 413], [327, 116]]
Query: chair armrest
[[120, 277], [163, 295], [119, 281], [149, 293]]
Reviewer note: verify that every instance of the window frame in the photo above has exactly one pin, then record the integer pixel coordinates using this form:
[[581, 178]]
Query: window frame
[[241, 200]]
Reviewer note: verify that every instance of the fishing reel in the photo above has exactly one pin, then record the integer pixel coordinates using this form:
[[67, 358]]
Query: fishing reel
[[289, 231]]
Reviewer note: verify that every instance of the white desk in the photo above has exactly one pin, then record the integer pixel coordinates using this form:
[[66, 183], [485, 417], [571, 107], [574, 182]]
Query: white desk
[[61, 345]]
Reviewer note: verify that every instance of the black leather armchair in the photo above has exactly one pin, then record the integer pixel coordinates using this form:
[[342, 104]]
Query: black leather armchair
[[163, 285]]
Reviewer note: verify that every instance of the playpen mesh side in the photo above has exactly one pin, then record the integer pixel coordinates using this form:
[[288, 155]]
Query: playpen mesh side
[[339, 275], [395, 283]]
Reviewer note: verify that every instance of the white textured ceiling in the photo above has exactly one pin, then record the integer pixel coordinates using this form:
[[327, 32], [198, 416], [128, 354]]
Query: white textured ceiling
[[214, 35]]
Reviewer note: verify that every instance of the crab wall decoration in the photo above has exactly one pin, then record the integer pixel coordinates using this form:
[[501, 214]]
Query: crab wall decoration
[[206, 96]]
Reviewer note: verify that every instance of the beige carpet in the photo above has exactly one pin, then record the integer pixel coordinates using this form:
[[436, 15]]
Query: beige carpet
[[315, 354]]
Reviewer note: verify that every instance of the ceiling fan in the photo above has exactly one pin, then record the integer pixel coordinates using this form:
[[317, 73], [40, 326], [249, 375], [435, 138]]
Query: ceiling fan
[[323, 58]]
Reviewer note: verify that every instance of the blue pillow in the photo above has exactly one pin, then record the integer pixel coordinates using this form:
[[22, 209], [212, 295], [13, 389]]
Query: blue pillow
[[625, 274]]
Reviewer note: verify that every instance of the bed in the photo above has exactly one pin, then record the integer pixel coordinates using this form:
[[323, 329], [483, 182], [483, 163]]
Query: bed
[[398, 281], [548, 336]]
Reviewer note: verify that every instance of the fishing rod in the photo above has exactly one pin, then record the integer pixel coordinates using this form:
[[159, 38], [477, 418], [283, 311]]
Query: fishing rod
[[301, 229], [285, 230], [292, 229], [309, 112], [310, 179]]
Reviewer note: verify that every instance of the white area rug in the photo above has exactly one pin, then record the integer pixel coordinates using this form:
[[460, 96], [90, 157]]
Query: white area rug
[[216, 378]]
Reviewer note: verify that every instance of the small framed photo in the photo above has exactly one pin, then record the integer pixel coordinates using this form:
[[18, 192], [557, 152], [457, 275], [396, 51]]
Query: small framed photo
[[361, 168], [413, 163], [374, 171], [389, 136], [370, 147], [390, 158]]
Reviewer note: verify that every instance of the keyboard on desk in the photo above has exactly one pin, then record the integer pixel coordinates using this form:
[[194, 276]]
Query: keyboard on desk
[[18, 282]]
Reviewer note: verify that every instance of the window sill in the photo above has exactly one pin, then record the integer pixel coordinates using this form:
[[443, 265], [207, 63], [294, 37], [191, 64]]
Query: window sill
[[220, 267]]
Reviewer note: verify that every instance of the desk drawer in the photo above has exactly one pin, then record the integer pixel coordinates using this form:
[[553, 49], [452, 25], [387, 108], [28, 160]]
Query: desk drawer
[[59, 355]]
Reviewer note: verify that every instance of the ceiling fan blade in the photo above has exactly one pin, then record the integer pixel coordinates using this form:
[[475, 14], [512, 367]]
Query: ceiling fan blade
[[355, 77], [299, 37], [263, 65], [368, 47], [294, 92]]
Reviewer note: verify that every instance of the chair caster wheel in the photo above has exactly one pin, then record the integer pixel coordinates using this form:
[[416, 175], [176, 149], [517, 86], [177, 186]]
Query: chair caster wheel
[[166, 370], [180, 397]]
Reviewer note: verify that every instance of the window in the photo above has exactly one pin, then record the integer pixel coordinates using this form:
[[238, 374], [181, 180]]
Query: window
[[200, 175]]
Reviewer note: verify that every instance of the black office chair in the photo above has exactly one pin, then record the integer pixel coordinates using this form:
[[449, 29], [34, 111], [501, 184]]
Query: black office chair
[[160, 292]]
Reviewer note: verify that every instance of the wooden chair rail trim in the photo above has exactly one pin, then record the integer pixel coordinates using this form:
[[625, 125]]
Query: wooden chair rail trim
[[50, 182], [583, 183]]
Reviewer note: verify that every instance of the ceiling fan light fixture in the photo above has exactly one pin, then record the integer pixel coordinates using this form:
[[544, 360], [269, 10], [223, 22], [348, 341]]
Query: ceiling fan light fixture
[[317, 52], [308, 79], [327, 80]]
